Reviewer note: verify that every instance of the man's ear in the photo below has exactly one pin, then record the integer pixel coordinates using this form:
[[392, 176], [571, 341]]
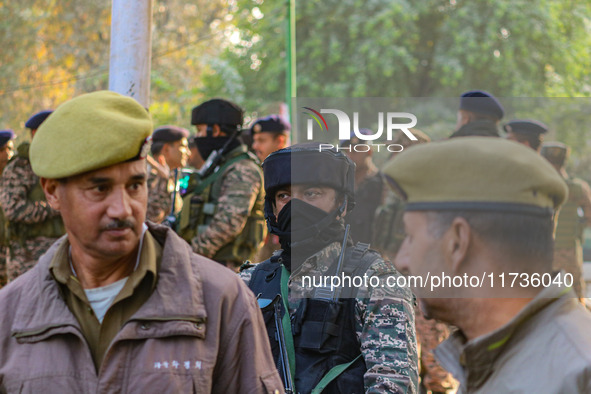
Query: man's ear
[[457, 243], [50, 188], [217, 131], [281, 140], [465, 117]]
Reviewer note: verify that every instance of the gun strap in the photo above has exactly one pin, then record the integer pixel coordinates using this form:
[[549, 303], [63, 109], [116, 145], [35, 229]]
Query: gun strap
[[286, 323], [331, 375], [210, 179]]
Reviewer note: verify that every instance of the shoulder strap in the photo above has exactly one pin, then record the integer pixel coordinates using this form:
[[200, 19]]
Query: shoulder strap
[[332, 375], [201, 186], [358, 260], [266, 279], [216, 188]]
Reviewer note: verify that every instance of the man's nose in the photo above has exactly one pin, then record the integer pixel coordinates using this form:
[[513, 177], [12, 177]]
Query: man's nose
[[119, 204]]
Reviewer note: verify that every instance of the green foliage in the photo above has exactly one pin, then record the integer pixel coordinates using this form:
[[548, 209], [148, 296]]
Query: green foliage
[[345, 48]]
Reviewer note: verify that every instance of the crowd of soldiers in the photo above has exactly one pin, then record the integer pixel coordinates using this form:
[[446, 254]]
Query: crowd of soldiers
[[274, 214]]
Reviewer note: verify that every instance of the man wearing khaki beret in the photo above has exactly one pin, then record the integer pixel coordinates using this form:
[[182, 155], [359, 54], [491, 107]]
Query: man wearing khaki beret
[[119, 305], [480, 211]]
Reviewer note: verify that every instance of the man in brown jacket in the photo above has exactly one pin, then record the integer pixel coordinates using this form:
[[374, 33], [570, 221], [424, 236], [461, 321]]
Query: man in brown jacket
[[480, 212], [115, 305]]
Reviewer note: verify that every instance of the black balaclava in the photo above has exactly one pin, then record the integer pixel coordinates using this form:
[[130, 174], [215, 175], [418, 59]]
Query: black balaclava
[[302, 228], [227, 115], [206, 145]]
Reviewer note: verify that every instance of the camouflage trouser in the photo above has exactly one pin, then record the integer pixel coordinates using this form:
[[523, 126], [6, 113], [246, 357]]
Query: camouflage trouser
[[571, 260], [3, 273], [430, 333], [22, 258]]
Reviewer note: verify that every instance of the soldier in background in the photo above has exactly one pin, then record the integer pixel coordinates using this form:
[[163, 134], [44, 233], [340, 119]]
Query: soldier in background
[[527, 132], [170, 152], [479, 115], [6, 148], [367, 331], [32, 224], [269, 134], [6, 153], [222, 215], [572, 219]]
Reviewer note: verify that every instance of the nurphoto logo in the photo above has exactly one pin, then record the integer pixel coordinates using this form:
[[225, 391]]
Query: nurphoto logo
[[392, 123]]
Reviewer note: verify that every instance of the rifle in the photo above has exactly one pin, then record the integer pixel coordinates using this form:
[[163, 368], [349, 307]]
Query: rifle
[[266, 304], [215, 158], [170, 220]]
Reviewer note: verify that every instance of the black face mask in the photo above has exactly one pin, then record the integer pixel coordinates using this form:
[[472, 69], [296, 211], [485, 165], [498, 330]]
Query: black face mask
[[305, 229], [206, 145]]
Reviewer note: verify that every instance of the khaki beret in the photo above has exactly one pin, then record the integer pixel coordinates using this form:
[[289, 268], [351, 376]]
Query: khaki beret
[[90, 132], [476, 173]]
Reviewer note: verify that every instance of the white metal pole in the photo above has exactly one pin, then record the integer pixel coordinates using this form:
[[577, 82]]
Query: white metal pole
[[131, 49]]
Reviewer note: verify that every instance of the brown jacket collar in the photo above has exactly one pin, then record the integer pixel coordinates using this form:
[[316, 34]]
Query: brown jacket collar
[[42, 307]]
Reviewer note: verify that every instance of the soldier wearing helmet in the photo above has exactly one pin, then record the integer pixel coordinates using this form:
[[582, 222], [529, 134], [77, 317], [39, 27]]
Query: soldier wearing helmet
[[222, 214], [337, 339]]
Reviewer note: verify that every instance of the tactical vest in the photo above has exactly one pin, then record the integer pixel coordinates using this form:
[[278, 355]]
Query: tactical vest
[[324, 334], [200, 205], [51, 228], [570, 224]]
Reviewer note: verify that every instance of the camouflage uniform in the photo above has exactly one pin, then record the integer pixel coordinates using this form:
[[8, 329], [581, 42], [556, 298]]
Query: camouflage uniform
[[3, 251], [384, 322], [25, 213], [160, 190], [240, 195], [574, 215]]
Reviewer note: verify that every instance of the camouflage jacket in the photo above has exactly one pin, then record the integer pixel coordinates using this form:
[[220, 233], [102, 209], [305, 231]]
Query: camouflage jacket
[[240, 188], [18, 179], [384, 323], [160, 190]]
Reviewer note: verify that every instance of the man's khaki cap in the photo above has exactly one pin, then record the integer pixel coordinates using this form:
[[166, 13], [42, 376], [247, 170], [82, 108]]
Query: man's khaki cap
[[90, 132], [476, 173]]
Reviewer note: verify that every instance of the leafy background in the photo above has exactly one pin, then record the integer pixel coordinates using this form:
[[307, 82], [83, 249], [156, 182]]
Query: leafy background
[[53, 50]]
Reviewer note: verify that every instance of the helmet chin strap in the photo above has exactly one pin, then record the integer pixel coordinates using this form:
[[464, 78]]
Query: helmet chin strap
[[343, 206]]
